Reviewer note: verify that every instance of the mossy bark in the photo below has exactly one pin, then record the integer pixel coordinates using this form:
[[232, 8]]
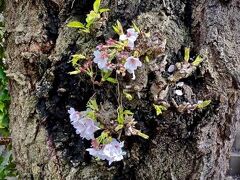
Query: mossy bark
[[38, 47]]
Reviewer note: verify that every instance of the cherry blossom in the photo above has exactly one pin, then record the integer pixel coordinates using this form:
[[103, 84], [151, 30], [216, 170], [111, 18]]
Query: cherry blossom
[[131, 36], [74, 115], [132, 64], [111, 152], [84, 126], [98, 153], [101, 59]]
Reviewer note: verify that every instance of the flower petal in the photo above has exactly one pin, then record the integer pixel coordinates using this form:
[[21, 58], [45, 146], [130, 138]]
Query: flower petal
[[83, 125], [111, 152], [123, 37], [131, 44]]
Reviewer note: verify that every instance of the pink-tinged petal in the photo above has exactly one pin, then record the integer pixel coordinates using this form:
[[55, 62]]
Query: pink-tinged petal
[[101, 59], [129, 66], [74, 115], [132, 64], [123, 37], [132, 34], [97, 53], [138, 63], [97, 153], [71, 110], [131, 44], [83, 125], [111, 152], [132, 38], [102, 64], [93, 151]]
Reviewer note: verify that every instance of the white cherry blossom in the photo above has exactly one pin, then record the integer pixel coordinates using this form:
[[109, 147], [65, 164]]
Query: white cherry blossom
[[111, 152], [84, 126], [98, 153], [131, 36], [74, 115], [101, 59], [131, 65]]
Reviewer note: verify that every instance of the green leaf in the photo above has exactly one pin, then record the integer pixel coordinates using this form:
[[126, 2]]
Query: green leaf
[[112, 80], [197, 61], [2, 74], [86, 30], [120, 126], [204, 104], [159, 109], [3, 120], [74, 72], [147, 60], [105, 74], [76, 58], [92, 104], [96, 6], [1, 126], [90, 72], [127, 112], [136, 28], [91, 115], [91, 18], [104, 138], [128, 96], [186, 54], [104, 10], [120, 118], [4, 95], [118, 28], [139, 133], [2, 106], [75, 24], [4, 132]]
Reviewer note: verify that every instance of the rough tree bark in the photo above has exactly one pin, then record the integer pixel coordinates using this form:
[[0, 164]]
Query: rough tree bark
[[38, 47]]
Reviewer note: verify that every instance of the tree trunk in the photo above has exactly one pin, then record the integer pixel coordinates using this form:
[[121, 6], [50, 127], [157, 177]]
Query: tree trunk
[[181, 146]]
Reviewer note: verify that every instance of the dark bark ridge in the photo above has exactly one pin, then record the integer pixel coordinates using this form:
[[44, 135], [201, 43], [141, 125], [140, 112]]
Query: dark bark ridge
[[181, 146]]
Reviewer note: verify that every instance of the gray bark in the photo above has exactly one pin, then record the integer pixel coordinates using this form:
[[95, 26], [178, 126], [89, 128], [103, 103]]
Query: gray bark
[[38, 47]]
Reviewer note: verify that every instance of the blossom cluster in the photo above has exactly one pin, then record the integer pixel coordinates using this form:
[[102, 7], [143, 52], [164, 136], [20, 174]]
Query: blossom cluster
[[118, 54], [110, 152], [86, 127]]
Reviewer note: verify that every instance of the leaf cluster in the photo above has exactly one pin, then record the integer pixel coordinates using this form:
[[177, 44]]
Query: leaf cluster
[[93, 16], [7, 166]]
